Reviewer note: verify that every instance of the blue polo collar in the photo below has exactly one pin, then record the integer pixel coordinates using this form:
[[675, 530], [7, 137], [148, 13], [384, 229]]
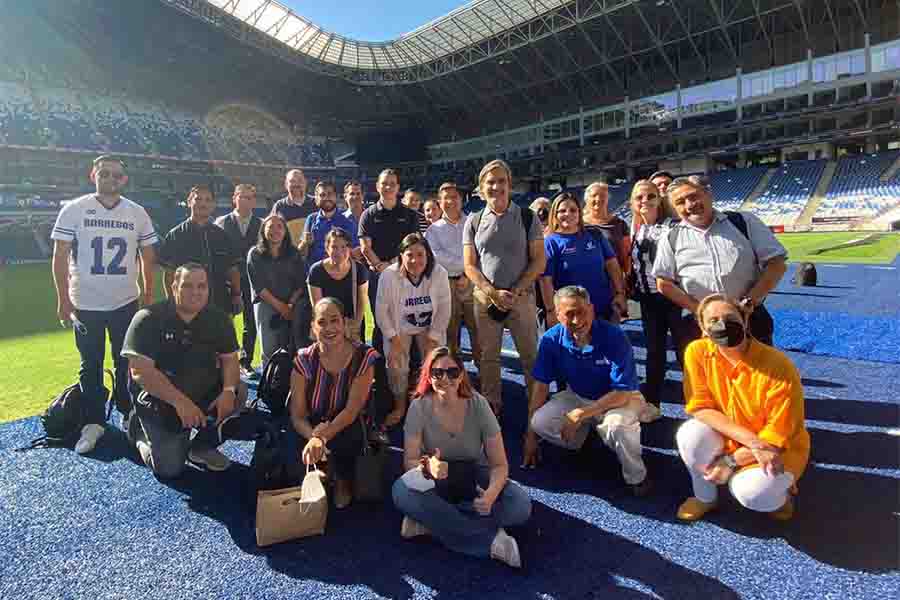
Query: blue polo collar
[[568, 342]]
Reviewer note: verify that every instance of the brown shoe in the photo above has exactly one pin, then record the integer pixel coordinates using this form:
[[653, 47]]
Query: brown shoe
[[786, 512], [343, 493], [694, 509]]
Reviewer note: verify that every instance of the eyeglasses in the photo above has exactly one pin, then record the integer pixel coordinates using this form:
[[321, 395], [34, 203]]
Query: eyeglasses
[[451, 373], [104, 174]]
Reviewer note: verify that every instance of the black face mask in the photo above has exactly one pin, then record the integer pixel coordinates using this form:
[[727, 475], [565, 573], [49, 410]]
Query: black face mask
[[728, 333]]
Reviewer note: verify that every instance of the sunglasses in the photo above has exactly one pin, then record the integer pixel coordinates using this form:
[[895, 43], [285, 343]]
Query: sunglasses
[[451, 373]]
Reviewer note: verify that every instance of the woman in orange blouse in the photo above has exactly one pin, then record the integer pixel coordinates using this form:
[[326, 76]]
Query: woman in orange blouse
[[748, 428]]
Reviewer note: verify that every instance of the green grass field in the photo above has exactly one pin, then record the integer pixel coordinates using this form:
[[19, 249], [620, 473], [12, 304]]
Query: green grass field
[[39, 356], [40, 359], [801, 246]]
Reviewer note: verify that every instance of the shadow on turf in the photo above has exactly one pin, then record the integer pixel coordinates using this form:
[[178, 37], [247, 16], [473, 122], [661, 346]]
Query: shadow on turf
[[362, 546], [843, 518]]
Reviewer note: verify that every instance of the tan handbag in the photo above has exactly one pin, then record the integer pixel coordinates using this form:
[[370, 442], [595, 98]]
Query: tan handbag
[[292, 513]]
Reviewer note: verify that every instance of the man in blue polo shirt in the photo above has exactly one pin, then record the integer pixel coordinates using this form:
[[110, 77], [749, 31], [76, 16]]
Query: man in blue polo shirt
[[319, 224], [596, 360]]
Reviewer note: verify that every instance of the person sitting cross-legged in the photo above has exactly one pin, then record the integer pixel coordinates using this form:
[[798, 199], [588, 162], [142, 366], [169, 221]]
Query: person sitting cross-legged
[[747, 427], [452, 437], [595, 358], [185, 376]]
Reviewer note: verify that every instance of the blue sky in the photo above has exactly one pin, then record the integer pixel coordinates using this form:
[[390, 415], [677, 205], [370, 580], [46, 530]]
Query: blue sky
[[372, 20]]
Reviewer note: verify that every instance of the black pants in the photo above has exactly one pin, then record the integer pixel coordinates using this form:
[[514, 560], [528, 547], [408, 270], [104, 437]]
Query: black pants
[[91, 344], [658, 317], [344, 448], [761, 327], [157, 424], [248, 340], [377, 339]]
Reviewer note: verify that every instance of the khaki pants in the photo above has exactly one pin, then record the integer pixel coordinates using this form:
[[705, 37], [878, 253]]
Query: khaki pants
[[398, 366], [619, 428], [463, 311], [522, 324]]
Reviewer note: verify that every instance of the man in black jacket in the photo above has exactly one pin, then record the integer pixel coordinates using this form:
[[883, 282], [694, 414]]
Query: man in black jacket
[[242, 227], [197, 240]]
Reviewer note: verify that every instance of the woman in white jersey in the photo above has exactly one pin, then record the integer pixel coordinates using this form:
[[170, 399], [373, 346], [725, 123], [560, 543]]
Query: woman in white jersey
[[413, 303]]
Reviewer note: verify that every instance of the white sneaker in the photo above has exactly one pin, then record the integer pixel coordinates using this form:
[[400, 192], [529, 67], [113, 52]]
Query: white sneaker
[[649, 413], [89, 436], [505, 549], [210, 458], [143, 449], [411, 528]]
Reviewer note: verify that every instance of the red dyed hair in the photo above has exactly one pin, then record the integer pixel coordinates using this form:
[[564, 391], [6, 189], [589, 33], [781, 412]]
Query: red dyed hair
[[424, 385]]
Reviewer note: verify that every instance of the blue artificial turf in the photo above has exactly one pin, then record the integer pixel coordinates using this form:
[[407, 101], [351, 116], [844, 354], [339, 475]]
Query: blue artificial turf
[[103, 527]]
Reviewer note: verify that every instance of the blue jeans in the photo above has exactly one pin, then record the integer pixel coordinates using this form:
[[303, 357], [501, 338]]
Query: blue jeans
[[270, 338], [459, 526], [92, 348]]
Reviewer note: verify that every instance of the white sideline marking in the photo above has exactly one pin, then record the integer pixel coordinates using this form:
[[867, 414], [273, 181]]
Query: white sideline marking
[[836, 266], [882, 268]]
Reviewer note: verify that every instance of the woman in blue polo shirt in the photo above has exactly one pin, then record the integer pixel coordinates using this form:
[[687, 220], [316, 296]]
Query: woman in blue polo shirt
[[574, 256]]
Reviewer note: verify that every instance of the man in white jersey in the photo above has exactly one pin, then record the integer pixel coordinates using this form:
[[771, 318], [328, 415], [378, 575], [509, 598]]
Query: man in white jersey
[[99, 240]]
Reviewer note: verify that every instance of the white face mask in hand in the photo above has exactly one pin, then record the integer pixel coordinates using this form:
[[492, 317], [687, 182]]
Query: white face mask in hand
[[416, 480]]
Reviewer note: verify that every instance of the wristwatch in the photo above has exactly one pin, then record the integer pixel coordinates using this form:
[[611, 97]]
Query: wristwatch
[[230, 388], [729, 461]]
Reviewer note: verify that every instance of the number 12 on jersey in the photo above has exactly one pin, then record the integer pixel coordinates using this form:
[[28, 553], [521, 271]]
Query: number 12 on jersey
[[115, 266]]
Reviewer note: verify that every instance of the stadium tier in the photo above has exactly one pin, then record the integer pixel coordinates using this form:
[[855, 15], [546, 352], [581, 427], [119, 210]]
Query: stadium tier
[[732, 187], [789, 191], [64, 119], [857, 190]]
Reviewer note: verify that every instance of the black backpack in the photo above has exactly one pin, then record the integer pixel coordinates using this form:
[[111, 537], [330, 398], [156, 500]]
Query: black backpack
[[270, 467], [65, 417], [806, 275], [275, 383]]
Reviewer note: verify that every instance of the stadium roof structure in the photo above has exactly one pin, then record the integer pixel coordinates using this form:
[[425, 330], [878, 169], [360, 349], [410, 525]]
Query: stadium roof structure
[[498, 64], [468, 25]]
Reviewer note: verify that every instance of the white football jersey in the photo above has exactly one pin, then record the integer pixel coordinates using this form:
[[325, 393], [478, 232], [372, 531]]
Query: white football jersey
[[103, 267]]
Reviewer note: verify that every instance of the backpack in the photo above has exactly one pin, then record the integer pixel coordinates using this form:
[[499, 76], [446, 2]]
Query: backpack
[[527, 219], [270, 467], [806, 275], [65, 417], [275, 383]]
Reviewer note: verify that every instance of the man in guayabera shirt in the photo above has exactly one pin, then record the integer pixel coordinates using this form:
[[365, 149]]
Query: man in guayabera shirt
[[503, 253], [295, 207], [711, 252]]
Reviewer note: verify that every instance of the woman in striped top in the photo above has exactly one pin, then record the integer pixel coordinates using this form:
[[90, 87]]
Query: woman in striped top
[[329, 386], [650, 220]]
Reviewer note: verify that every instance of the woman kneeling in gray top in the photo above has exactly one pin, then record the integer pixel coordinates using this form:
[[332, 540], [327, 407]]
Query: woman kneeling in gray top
[[457, 485]]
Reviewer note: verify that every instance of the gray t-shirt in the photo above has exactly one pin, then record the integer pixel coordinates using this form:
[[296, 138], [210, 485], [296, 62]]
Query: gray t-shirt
[[468, 445], [718, 260], [501, 244]]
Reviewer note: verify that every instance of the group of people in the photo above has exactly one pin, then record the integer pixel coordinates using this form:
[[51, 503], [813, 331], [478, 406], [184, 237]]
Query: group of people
[[303, 275]]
